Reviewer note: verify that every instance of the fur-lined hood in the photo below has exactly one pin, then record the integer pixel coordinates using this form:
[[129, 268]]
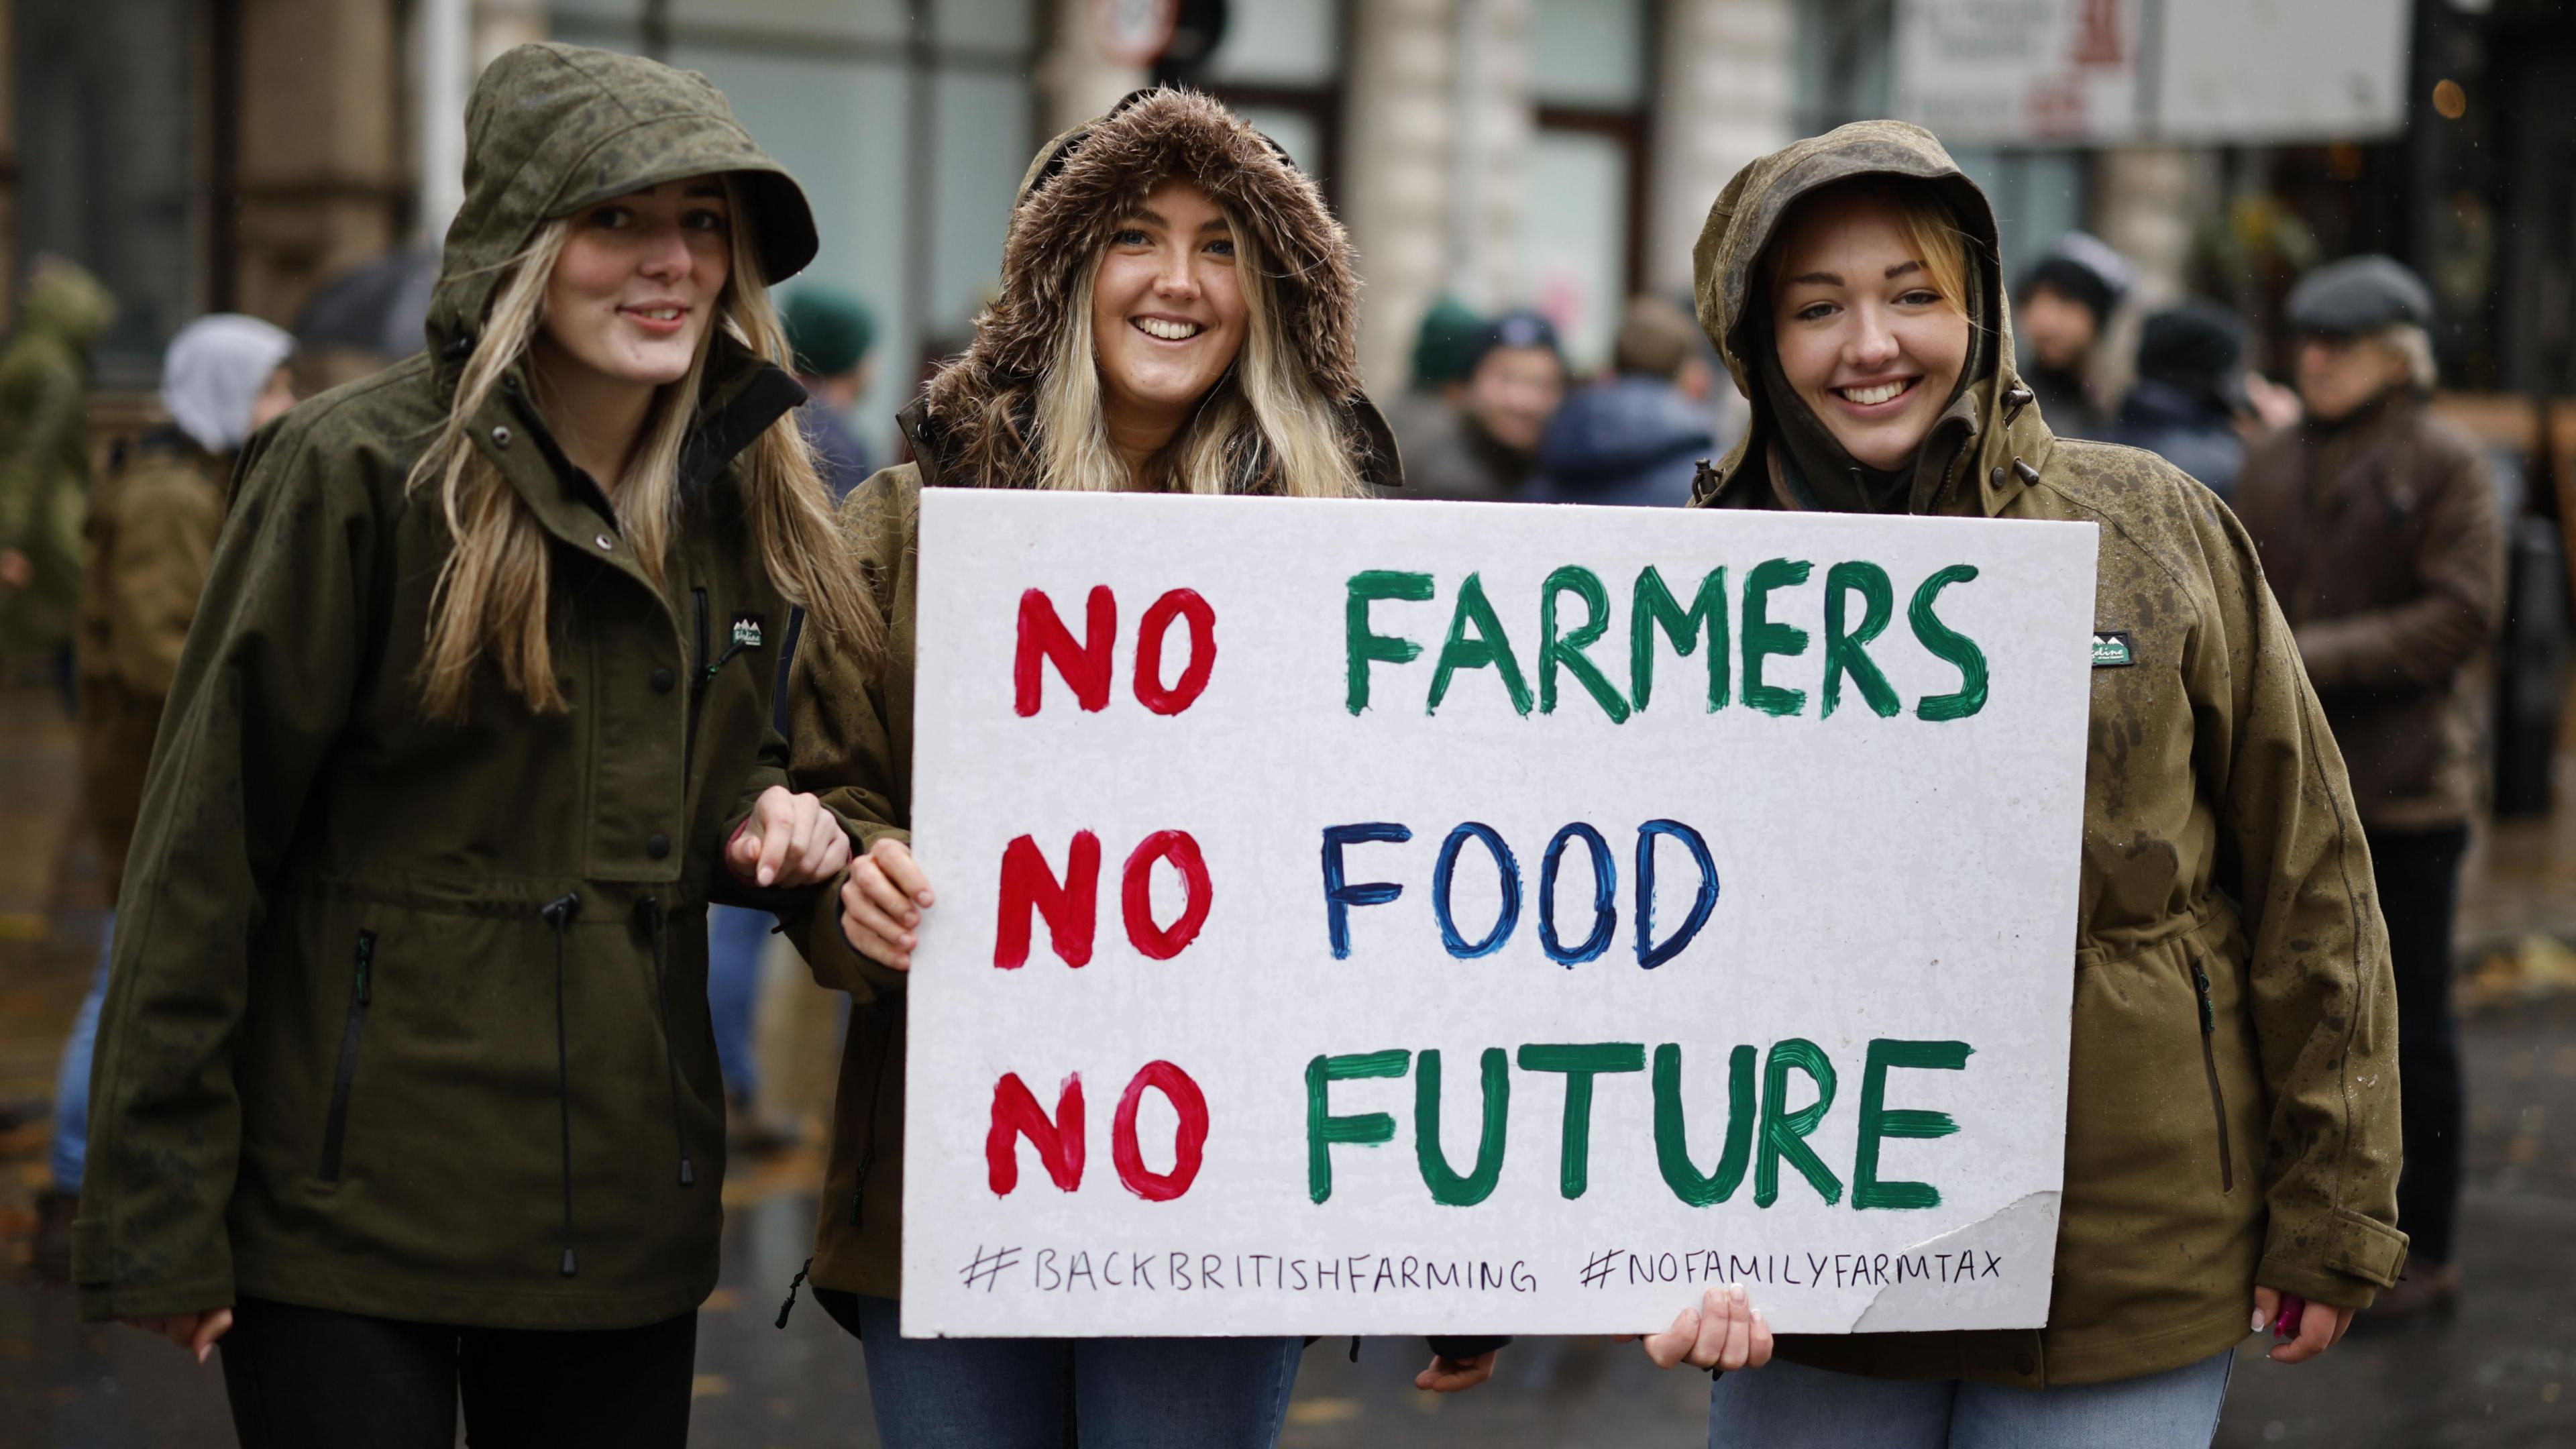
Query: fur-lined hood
[[973, 420]]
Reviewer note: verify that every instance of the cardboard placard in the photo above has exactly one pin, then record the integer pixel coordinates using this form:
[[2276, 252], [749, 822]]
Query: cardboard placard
[[1363, 917]]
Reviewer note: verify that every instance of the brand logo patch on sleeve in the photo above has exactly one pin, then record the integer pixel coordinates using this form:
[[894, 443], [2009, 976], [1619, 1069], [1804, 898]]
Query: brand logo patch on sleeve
[[2111, 649], [746, 632]]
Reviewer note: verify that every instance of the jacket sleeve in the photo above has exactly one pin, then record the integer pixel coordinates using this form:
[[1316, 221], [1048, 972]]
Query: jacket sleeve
[[2459, 565], [156, 570], [2319, 992], [844, 742], [48, 400], [263, 688], [769, 767]]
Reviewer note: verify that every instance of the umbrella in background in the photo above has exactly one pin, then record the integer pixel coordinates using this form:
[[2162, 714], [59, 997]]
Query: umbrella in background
[[378, 307]]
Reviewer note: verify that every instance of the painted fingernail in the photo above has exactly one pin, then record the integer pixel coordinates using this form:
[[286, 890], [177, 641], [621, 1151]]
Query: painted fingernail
[[1735, 1291], [2256, 1324]]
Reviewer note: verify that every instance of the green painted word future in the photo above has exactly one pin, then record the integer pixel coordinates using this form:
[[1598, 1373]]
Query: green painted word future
[[1763, 1132], [1575, 616]]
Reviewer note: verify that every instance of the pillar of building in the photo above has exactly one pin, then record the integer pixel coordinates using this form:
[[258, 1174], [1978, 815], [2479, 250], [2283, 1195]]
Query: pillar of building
[[451, 42], [1399, 126], [322, 182], [1725, 94], [1489, 150], [2146, 202], [1078, 78]]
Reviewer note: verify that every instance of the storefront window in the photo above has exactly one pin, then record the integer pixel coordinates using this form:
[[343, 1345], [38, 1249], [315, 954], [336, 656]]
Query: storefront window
[[1586, 178]]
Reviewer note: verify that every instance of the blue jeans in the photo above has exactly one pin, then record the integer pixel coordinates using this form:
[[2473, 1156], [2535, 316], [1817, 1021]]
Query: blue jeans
[[71, 1081], [1099, 1393], [1790, 1405], [734, 941]]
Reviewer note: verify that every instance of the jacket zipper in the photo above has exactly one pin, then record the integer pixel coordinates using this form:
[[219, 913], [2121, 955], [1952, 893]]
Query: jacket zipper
[[2209, 1059], [335, 1126]]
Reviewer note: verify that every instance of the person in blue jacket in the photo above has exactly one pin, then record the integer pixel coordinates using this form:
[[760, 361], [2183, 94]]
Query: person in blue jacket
[[1636, 437]]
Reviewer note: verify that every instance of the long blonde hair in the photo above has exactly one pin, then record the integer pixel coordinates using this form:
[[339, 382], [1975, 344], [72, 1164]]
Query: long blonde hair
[[1263, 428], [493, 592]]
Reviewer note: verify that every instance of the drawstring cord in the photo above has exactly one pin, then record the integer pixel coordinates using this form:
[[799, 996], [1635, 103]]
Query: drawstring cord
[[792, 1285], [649, 911], [558, 913]]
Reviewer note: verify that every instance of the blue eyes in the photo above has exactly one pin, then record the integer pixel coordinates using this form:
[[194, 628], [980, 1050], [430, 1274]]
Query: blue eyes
[[1135, 237], [624, 218], [1819, 311]]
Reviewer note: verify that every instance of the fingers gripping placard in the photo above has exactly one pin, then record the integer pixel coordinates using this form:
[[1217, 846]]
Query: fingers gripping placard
[[1463, 917]]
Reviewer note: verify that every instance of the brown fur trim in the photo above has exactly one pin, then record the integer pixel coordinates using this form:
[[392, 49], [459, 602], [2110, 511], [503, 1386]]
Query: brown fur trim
[[977, 409]]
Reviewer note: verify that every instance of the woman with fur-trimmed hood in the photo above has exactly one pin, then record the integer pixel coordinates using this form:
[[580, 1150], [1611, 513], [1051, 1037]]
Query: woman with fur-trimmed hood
[[2232, 1147], [1177, 314]]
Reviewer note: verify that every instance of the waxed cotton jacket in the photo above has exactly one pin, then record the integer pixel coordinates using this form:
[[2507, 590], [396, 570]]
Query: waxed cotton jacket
[[408, 1018], [152, 532], [44, 451], [2383, 539], [2232, 1084]]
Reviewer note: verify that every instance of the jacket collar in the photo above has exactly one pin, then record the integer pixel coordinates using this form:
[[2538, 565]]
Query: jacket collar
[[1995, 441], [742, 396], [1382, 469]]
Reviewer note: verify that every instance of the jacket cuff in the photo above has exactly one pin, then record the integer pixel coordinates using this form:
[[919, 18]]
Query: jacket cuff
[[1460, 1347], [834, 961], [104, 1300], [2343, 1261]]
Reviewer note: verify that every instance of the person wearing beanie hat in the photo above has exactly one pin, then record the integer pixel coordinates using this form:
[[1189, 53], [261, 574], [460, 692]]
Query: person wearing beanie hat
[[2379, 528], [1424, 417], [2189, 393], [2059, 312], [152, 527], [1515, 380], [831, 334]]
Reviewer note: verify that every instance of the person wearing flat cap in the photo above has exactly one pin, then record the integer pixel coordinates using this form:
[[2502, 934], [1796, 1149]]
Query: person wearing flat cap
[[2381, 534], [2189, 393]]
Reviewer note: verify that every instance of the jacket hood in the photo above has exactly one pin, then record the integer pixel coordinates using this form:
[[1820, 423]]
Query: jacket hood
[[1075, 191], [214, 372], [64, 301], [1994, 407], [553, 128]]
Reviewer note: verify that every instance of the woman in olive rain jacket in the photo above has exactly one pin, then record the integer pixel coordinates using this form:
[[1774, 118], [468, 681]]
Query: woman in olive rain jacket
[[2231, 1130], [405, 1086], [1178, 313]]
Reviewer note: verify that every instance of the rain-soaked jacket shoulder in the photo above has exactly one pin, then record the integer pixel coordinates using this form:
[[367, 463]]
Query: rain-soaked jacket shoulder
[[2231, 1093], [408, 1018]]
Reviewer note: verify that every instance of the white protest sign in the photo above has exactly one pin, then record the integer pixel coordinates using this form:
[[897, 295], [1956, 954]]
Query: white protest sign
[[1364, 917]]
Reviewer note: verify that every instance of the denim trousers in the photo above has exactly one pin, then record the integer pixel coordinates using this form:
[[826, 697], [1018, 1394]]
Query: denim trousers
[[1791, 1406], [1048, 1393], [71, 1080], [735, 939]]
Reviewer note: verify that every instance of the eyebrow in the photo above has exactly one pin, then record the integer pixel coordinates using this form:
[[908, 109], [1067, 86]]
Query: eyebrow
[[1155, 218], [1835, 279]]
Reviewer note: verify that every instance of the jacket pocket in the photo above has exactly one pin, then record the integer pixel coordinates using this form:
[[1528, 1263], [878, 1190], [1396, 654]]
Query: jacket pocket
[[2209, 1060], [335, 1125]]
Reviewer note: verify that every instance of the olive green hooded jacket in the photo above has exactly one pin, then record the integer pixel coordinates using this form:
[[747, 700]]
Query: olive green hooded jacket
[[409, 1018], [2232, 1089], [44, 450]]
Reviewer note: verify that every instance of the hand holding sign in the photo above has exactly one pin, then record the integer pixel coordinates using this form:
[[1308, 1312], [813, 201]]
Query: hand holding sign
[[882, 902]]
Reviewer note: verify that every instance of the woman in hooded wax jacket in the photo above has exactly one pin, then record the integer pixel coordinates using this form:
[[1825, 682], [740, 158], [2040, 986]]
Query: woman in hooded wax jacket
[[405, 1089], [2232, 1134], [1177, 313]]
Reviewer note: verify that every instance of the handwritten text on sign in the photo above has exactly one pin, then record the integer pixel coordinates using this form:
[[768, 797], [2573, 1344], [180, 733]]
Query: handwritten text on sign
[[1456, 917]]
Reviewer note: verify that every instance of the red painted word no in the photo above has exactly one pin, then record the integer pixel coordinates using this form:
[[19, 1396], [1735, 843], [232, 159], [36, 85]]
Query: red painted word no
[[1085, 664]]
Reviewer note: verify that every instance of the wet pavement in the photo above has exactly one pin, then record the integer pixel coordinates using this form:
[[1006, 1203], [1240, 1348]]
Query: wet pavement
[[2499, 1374]]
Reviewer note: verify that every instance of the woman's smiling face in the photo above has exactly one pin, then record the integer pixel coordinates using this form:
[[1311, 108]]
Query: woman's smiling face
[[1167, 309], [1866, 337]]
